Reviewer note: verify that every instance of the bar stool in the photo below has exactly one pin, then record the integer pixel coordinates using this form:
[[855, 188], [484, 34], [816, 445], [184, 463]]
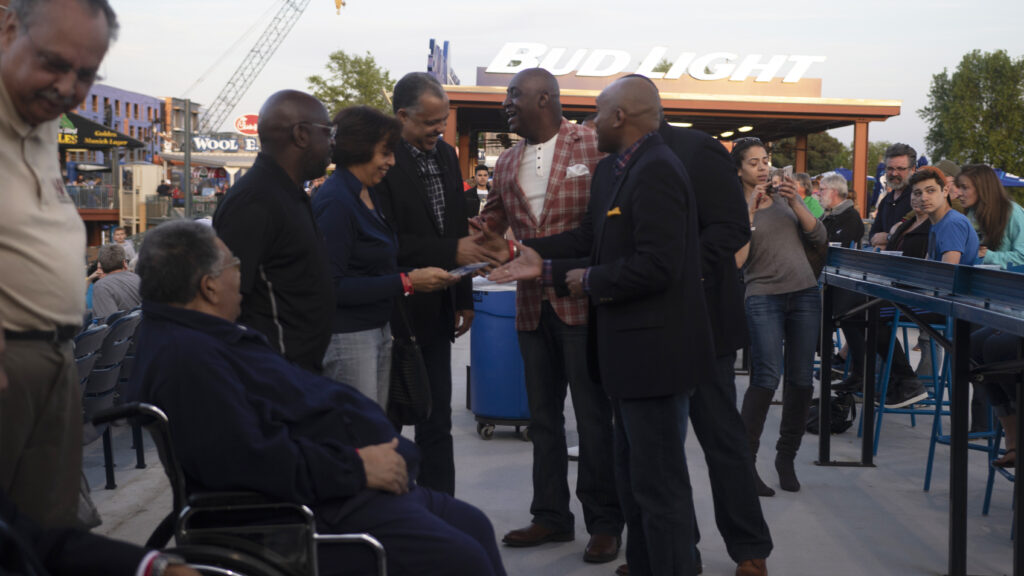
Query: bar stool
[[996, 452], [940, 405]]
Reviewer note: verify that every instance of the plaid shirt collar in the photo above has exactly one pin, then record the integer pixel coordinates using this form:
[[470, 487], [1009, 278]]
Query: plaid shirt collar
[[622, 159], [418, 154]]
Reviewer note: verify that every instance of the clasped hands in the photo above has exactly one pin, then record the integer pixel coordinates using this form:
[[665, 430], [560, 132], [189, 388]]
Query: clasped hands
[[529, 266]]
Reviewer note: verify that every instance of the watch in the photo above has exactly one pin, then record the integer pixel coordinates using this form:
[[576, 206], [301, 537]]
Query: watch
[[159, 564]]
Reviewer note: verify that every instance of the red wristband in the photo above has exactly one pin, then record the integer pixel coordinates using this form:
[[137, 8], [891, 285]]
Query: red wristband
[[406, 284], [511, 249]]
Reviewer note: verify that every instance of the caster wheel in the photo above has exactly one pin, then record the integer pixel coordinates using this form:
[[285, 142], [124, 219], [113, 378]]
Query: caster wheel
[[486, 431], [524, 434]]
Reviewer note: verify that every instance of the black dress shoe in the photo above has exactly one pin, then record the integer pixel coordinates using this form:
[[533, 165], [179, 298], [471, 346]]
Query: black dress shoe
[[602, 548], [534, 535]]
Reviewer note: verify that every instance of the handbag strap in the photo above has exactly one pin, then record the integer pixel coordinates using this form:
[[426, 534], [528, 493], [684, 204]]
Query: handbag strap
[[405, 318]]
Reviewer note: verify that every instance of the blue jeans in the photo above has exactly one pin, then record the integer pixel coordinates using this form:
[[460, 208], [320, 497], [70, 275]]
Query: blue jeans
[[783, 326], [555, 358], [654, 484], [361, 360]]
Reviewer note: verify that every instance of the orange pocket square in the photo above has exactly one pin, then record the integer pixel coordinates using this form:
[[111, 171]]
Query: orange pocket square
[[614, 212]]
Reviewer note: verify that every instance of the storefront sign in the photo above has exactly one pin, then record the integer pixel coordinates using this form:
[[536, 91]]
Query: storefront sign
[[206, 144], [516, 56], [246, 124]]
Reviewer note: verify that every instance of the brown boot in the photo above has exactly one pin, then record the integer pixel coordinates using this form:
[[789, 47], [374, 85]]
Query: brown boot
[[755, 567], [756, 402]]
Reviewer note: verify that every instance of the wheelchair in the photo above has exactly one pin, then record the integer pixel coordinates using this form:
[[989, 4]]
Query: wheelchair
[[234, 533]]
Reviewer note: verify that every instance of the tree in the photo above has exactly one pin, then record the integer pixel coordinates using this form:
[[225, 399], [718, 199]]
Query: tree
[[824, 153], [977, 113], [662, 66], [350, 81]]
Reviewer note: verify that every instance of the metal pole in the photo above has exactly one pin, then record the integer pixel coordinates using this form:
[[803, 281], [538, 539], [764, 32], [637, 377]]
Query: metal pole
[[959, 402], [825, 383], [187, 147]]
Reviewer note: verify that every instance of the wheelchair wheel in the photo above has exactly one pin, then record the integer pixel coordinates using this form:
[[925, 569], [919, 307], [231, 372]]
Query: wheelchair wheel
[[215, 561]]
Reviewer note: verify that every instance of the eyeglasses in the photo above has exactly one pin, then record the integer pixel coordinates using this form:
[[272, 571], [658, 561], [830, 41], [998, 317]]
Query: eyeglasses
[[57, 66], [897, 168], [332, 129], [235, 262]]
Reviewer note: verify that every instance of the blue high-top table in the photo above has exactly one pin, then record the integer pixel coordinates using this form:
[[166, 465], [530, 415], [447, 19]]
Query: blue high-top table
[[968, 295]]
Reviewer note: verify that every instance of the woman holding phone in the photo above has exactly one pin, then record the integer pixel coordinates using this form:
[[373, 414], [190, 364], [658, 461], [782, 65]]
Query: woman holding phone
[[782, 305], [363, 251]]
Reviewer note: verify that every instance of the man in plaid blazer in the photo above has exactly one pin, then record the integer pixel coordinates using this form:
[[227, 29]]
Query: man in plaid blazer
[[541, 187]]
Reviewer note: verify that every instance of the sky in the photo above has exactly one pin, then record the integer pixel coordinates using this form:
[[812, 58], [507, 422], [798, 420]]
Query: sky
[[873, 49]]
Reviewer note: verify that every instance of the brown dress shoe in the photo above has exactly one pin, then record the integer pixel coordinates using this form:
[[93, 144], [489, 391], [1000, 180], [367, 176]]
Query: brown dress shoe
[[534, 535], [755, 567], [602, 548], [622, 570]]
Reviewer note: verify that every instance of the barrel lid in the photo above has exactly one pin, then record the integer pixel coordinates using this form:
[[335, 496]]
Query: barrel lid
[[481, 284]]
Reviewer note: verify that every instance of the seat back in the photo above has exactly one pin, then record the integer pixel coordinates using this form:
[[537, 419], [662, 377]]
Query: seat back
[[87, 349], [118, 339]]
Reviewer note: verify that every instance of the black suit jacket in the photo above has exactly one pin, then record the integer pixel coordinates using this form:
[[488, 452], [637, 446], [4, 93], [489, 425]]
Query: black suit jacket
[[724, 229], [404, 202], [649, 330], [60, 551]]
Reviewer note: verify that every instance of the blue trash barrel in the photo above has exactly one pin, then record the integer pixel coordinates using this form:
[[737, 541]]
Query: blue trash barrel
[[497, 384]]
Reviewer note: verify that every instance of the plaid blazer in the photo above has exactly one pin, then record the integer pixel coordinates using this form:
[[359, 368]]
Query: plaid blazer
[[565, 202]]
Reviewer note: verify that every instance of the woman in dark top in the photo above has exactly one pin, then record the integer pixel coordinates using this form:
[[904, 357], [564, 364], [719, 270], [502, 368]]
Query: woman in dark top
[[911, 236], [363, 250]]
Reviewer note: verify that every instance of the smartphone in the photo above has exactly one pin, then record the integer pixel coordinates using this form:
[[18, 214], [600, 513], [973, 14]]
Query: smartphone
[[787, 172], [467, 269]]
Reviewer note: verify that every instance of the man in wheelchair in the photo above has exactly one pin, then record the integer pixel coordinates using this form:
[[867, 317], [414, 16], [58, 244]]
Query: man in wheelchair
[[244, 418]]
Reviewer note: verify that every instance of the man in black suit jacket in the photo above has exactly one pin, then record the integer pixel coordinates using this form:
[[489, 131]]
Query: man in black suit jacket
[[724, 229], [422, 198], [650, 339]]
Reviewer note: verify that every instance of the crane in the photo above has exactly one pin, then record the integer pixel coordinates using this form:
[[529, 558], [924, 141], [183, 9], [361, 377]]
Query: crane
[[254, 61]]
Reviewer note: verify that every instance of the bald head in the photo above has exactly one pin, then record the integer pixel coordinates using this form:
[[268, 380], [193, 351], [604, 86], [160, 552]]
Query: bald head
[[285, 109], [295, 130], [627, 109], [533, 105], [639, 100]]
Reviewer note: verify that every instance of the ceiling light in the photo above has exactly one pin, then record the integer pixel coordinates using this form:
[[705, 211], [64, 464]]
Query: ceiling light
[[744, 128], [726, 134], [682, 124]]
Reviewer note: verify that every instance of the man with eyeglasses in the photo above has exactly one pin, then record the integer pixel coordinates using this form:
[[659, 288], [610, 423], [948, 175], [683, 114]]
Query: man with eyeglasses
[[266, 219], [50, 51], [422, 197], [900, 165]]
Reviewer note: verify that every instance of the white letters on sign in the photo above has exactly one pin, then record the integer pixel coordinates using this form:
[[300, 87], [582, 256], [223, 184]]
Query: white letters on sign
[[516, 56]]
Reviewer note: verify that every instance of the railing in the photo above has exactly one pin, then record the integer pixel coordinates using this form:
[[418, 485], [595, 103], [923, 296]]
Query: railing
[[94, 197], [163, 208]]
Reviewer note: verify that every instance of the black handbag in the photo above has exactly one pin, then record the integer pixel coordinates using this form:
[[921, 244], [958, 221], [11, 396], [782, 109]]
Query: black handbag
[[409, 390]]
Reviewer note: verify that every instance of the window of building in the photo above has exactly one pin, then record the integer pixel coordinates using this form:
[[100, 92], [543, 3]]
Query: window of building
[[135, 111], [95, 103]]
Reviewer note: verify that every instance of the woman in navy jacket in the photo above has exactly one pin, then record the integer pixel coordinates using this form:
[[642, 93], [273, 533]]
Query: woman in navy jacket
[[363, 251]]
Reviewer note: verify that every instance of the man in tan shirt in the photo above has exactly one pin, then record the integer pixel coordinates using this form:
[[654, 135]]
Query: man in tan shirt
[[50, 51]]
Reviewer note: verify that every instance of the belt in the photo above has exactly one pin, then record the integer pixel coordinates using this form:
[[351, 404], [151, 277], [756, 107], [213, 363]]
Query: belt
[[61, 334]]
